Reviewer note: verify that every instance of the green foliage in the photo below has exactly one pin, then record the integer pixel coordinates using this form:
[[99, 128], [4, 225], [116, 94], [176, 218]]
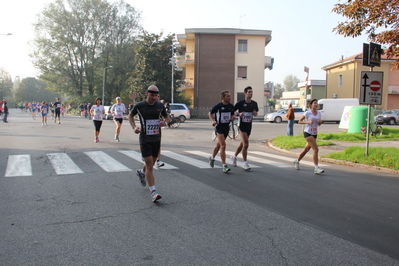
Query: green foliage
[[291, 83], [31, 89], [377, 18], [153, 55], [271, 103], [76, 40], [295, 142]]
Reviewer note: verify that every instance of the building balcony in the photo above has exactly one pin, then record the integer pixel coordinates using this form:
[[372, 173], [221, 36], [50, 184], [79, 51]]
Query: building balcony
[[189, 84], [186, 59]]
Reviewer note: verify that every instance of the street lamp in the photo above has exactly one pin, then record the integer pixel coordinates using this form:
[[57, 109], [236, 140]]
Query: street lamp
[[105, 68]]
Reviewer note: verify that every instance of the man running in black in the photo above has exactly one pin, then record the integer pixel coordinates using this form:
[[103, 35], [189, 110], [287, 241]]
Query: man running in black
[[149, 112], [221, 114], [247, 109], [57, 110]]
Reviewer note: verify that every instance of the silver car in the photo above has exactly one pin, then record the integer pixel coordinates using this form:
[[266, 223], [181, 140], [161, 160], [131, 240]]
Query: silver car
[[279, 116], [390, 117], [180, 110]]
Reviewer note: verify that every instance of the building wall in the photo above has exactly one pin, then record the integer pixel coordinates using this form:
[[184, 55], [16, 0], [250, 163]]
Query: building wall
[[254, 60], [214, 68], [351, 75]]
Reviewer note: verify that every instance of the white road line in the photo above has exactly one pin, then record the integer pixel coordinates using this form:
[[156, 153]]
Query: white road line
[[63, 164], [228, 161], [288, 159], [137, 156], [106, 162], [260, 160], [19, 165], [186, 159]]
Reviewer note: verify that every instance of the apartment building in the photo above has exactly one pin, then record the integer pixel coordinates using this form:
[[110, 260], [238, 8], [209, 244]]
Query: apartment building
[[217, 59], [343, 80]]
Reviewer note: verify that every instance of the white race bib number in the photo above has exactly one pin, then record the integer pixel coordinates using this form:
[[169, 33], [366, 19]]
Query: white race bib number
[[152, 127], [225, 117], [247, 117]]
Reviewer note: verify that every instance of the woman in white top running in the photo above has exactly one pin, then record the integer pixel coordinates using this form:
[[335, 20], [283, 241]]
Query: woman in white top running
[[97, 111], [312, 119], [118, 110]]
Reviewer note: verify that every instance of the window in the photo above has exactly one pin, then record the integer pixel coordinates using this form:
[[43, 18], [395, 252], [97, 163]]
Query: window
[[242, 46], [339, 81], [242, 72]]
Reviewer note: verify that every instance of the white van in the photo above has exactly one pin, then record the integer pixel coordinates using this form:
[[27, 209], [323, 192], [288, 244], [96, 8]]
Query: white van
[[332, 109]]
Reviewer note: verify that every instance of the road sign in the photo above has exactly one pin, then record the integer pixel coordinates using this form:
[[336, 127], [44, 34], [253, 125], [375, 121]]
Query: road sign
[[134, 95], [375, 54], [371, 87]]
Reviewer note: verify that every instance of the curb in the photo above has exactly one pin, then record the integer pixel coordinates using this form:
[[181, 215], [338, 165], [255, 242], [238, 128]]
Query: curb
[[334, 161]]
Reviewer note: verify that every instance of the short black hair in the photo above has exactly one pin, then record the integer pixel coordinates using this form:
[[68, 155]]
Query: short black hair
[[247, 88]]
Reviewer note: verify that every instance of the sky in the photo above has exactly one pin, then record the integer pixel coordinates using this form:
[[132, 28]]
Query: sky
[[301, 30]]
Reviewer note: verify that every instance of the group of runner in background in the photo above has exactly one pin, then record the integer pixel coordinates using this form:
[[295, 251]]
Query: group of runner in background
[[42, 109]]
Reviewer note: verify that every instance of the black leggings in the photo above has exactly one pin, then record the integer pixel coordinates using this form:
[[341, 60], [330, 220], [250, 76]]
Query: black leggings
[[97, 124]]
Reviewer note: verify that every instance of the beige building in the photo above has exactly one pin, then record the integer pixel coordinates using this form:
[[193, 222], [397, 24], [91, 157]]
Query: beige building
[[214, 60], [344, 80]]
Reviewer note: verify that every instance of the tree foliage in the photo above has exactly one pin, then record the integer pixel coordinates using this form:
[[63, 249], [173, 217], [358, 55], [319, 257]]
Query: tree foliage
[[278, 91], [5, 83], [31, 89], [379, 19], [76, 39], [153, 66], [291, 83]]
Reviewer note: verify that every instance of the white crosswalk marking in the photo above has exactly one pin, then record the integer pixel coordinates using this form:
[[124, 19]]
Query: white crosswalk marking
[[106, 162], [262, 160], [19, 165], [137, 156], [206, 155], [284, 158], [188, 160], [63, 164]]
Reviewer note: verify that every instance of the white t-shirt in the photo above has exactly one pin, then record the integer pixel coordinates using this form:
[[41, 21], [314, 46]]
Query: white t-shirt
[[118, 110], [98, 112], [311, 128]]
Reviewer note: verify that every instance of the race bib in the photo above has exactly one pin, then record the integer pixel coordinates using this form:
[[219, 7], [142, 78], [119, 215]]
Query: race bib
[[225, 117], [152, 127], [247, 117]]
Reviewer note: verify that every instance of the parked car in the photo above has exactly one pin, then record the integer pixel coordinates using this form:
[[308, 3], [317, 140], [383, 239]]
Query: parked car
[[108, 114], [390, 117], [279, 116], [180, 110]]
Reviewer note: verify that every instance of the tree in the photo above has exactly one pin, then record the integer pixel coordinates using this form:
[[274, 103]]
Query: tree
[[31, 89], [377, 18], [76, 39], [5, 83], [291, 83], [153, 66], [278, 91]]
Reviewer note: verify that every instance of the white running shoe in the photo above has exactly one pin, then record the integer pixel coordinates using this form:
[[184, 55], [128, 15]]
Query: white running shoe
[[318, 170], [155, 196], [296, 164], [160, 163], [233, 159], [246, 166]]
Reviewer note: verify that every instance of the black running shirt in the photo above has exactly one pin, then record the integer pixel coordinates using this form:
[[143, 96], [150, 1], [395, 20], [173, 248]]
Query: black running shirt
[[149, 120], [223, 113]]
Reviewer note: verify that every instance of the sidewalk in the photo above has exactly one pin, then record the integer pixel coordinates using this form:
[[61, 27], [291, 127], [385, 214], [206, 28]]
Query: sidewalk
[[340, 146]]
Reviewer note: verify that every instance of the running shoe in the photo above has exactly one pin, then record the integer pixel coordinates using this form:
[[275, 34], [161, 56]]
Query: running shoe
[[117, 138], [318, 170], [155, 196], [233, 159], [246, 166], [95, 139], [59, 122], [160, 163], [141, 176], [226, 169], [296, 164], [211, 161], [42, 124]]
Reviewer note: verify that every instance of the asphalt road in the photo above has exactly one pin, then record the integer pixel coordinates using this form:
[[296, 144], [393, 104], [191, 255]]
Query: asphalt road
[[272, 215]]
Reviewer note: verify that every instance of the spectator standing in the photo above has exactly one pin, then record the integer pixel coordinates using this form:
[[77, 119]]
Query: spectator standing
[[291, 119]]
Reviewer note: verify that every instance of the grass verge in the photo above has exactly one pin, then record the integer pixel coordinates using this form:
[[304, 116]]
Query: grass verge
[[381, 156]]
